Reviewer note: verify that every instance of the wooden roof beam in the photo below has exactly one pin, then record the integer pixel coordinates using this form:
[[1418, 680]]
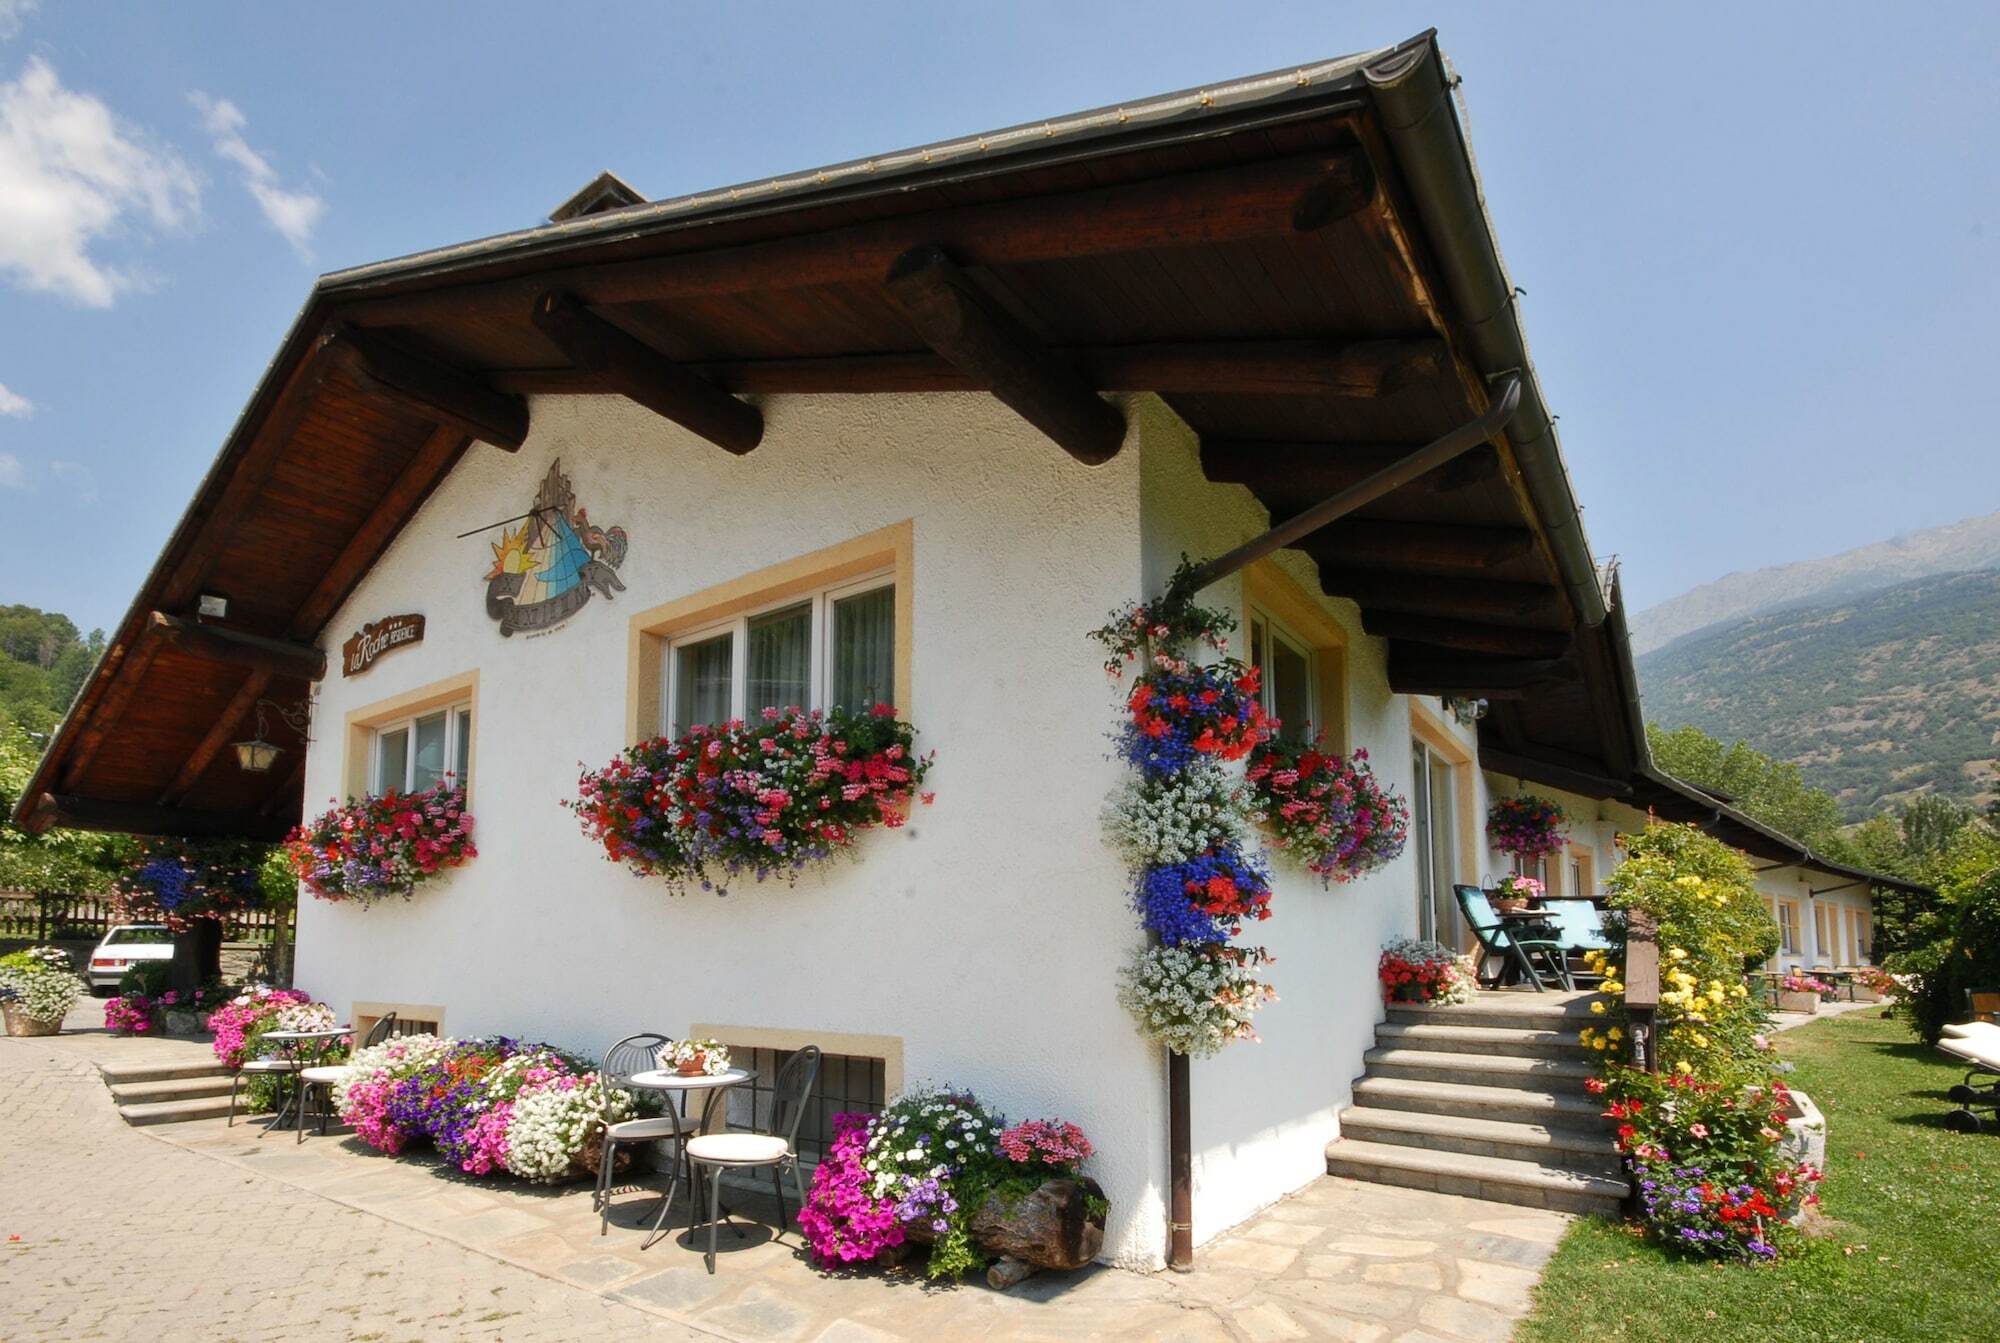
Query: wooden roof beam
[[437, 391], [217, 643], [1570, 778], [1312, 470], [1427, 671], [1483, 599], [126, 676], [140, 818], [640, 373], [955, 318], [1423, 547], [220, 732], [1273, 198], [1468, 635]]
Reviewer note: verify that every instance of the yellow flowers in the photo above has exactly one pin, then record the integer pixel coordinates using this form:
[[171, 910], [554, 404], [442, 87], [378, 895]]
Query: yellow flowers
[[1613, 986], [1700, 1040], [1597, 1006], [1684, 1068], [1677, 953]]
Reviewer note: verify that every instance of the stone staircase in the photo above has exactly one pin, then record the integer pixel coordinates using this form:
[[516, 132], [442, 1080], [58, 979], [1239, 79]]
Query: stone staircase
[[1485, 1099], [168, 1093]]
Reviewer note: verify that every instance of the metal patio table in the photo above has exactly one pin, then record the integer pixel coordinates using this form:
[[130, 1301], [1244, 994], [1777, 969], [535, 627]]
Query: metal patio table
[[677, 1087], [292, 1044]]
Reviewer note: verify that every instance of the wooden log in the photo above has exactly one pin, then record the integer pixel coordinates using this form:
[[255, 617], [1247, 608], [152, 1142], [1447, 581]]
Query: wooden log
[[1457, 598], [139, 818], [1007, 1271], [1308, 472], [1417, 547], [958, 321], [218, 643], [1268, 367], [450, 396], [1470, 635], [1053, 1227], [1216, 205], [635, 370]]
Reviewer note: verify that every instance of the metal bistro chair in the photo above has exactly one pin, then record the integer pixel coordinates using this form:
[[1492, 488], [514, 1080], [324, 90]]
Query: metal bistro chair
[[635, 1054], [264, 1067], [776, 1147], [1495, 938], [320, 1079]]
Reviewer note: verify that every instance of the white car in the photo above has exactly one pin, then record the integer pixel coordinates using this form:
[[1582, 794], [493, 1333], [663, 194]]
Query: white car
[[122, 948]]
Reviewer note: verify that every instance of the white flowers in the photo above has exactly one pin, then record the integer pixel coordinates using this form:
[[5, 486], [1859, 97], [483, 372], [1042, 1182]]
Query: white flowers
[[1157, 822], [401, 1055], [552, 1124], [1190, 1000], [304, 1017], [45, 990]]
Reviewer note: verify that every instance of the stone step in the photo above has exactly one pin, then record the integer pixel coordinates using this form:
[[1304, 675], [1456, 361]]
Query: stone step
[[1588, 1149], [1505, 1104], [170, 1089], [176, 1112], [202, 1065], [1522, 1011], [1513, 1040], [1496, 1178], [1564, 1075]]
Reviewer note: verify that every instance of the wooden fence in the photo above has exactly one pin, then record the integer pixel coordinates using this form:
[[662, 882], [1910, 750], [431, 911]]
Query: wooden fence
[[85, 918]]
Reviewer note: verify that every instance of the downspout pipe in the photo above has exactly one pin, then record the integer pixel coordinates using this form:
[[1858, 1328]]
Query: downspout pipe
[[1412, 91]]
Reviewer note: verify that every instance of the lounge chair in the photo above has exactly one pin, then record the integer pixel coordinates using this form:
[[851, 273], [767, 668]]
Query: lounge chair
[[1976, 1044], [1518, 948], [1579, 926]]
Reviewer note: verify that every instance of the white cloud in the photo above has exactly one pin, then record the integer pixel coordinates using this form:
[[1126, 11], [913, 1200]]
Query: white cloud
[[12, 12], [71, 174], [12, 476], [293, 213], [82, 483], [12, 403]]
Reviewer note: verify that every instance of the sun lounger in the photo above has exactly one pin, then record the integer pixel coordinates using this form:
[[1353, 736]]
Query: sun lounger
[[1977, 1045]]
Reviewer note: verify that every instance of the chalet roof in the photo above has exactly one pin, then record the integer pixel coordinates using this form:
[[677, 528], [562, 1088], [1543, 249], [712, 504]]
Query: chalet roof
[[1299, 263]]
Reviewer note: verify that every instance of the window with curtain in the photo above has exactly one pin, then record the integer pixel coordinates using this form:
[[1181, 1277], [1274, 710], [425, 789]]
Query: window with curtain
[[419, 752], [835, 647]]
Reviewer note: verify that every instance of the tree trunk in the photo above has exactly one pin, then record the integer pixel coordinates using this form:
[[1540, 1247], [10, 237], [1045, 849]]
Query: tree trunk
[[1050, 1228], [197, 955]]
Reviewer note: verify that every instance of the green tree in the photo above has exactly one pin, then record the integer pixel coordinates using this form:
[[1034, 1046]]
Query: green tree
[[1767, 790], [56, 860]]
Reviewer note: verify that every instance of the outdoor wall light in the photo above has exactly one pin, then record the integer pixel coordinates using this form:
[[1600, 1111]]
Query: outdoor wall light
[[213, 605], [256, 756]]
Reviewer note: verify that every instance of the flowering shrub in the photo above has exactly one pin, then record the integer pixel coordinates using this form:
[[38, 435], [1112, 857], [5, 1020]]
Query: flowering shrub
[[769, 799], [175, 881], [240, 1023], [553, 1122], [1180, 714], [843, 1221], [1046, 1143], [1204, 899], [1425, 972], [1804, 983], [1171, 819], [1326, 810], [1529, 826], [39, 984], [130, 1014], [1195, 999], [382, 846]]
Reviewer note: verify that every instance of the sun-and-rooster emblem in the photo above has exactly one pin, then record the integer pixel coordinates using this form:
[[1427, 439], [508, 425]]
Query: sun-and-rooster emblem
[[546, 569]]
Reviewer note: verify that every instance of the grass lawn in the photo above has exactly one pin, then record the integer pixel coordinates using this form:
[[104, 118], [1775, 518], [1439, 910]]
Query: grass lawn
[[1911, 1251]]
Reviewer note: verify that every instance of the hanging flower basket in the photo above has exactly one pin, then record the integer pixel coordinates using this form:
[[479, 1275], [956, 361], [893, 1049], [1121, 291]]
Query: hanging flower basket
[[382, 846], [1181, 714], [1326, 810], [1529, 827], [767, 799]]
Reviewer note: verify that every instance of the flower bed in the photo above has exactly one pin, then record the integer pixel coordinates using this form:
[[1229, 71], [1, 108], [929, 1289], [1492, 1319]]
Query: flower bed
[[766, 799], [927, 1168], [1529, 827], [382, 846], [1414, 971], [487, 1105], [1327, 811]]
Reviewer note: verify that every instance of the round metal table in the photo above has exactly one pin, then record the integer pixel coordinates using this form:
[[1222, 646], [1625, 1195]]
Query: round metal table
[[678, 1087], [292, 1044]]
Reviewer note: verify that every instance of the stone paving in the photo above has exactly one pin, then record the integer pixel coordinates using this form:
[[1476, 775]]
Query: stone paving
[[201, 1231]]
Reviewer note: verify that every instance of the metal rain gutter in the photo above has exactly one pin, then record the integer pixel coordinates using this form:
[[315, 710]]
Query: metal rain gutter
[[1413, 94]]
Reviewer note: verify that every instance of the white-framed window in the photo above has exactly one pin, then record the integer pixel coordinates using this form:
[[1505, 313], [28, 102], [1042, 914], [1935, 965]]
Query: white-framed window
[[409, 755], [1788, 928], [1289, 683], [832, 648]]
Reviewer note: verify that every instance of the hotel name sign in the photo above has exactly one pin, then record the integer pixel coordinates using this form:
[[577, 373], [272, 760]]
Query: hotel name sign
[[377, 637]]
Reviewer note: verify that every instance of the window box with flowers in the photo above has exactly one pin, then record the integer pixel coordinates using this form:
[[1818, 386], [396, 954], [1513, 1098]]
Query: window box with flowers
[[383, 846]]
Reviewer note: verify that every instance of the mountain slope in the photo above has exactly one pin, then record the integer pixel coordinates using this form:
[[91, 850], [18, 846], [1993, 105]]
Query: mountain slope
[[1892, 693], [1956, 548]]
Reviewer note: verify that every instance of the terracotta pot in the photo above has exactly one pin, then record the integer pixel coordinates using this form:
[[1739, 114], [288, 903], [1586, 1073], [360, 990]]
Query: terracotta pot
[[1511, 904], [20, 1023], [693, 1067]]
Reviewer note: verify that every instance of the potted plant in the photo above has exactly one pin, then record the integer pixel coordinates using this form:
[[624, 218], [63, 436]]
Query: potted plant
[[1801, 993], [1517, 893], [1528, 827], [37, 990], [697, 1058]]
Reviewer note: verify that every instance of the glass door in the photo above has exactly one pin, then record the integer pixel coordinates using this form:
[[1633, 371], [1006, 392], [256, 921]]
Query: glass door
[[1433, 829]]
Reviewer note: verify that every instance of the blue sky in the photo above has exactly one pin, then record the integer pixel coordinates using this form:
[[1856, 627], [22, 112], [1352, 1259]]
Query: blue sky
[[1758, 244]]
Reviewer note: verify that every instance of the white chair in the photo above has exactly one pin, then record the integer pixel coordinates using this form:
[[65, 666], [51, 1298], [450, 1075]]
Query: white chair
[[320, 1079], [776, 1147], [635, 1054], [266, 1067]]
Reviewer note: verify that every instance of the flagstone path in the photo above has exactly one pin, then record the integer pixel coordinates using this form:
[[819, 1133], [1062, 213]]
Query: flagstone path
[[197, 1231]]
